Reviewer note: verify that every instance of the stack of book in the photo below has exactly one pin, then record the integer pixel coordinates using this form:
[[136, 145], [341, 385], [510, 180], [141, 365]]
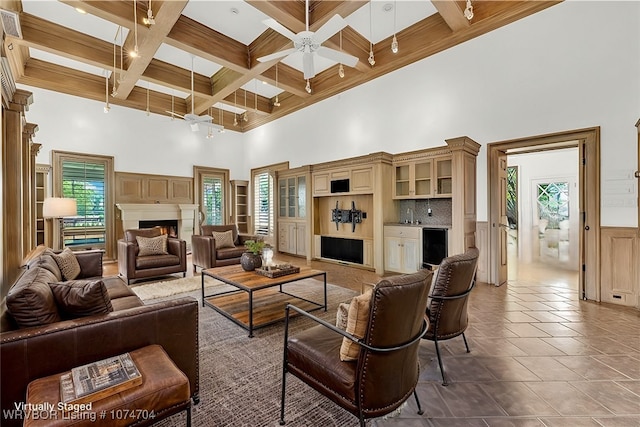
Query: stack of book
[[97, 380]]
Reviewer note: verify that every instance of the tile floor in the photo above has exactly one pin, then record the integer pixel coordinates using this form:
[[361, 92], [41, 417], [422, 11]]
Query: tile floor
[[539, 357]]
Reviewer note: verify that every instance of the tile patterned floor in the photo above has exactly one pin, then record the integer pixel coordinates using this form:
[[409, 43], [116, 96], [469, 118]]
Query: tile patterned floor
[[539, 357]]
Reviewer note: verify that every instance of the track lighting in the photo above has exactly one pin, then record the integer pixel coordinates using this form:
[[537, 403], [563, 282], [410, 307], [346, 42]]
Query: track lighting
[[468, 12], [276, 103], [308, 87], [106, 92], [134, 52], [245, 117], [341, 71], [371, 59], [394, 44], [221, 130], [235, 104]]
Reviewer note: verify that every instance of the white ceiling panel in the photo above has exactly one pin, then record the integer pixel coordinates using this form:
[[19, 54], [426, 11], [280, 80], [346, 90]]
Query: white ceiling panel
[[261, 88], [65, 62], [180, 58]]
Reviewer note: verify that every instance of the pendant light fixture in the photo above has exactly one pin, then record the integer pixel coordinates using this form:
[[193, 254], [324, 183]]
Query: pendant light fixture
[[114, 91], [394, 42], [468, 12], [341, 67], [276, 103], [210, 130], [221, 130], [244, 115], [148, 111], [308, 87], [172, 105], [149, 20], [255, 97], [372, 60], [106, 92], [235, 113], [134, 53]]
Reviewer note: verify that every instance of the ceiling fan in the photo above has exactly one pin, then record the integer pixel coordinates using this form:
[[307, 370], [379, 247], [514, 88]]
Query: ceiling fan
[[193, 119], [309, 43]]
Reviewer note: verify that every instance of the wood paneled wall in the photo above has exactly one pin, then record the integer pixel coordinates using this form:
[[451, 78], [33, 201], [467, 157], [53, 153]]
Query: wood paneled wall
[[145, 188]]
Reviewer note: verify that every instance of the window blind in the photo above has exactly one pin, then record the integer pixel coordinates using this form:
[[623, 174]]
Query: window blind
[[85, 182], [213, 200], [263, 204]]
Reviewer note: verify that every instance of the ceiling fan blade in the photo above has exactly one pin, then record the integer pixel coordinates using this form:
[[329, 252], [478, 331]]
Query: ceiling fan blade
[[276, 26], [336, 55], [307, 65], [173, 113], [331, 27], [198, 119], [277, 55]]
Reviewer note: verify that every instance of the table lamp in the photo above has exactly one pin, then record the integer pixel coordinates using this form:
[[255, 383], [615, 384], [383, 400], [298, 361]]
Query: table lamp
[[267, 255], [59, 208]]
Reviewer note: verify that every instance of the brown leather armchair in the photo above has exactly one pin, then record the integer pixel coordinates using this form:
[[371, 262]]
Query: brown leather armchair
[[205, 254], [131, 266], [387, 369], [447, 307]]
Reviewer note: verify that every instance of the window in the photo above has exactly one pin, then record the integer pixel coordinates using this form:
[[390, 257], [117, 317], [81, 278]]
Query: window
[[263, 183], [87, 179], [213, 200], [263, 202]]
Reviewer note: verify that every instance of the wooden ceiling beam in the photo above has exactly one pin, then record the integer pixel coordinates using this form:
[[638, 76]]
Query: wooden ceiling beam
[[288, 13], [148, 41], [289, 79], [453, 14]]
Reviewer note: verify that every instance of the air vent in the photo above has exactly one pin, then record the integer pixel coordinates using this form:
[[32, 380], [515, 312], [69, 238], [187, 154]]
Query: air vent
[[8, 85], [11, 23]]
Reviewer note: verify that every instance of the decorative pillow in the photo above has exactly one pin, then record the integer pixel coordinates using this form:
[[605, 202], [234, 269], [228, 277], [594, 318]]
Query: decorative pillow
[[152, 245], [30, 301], [223, 239], [79, 298], [68, 264], [342, 315], [357, 322]]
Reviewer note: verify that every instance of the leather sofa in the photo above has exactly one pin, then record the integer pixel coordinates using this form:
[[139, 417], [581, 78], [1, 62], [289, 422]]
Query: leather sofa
[[34, 352], [205, 254], [131, 266]]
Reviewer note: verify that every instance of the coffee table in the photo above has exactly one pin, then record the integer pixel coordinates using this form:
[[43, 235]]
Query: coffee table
[[258, 300]]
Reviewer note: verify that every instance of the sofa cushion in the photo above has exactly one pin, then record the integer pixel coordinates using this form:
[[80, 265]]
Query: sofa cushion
[[229, 253], [68, 264], [342, 315], [47, 262], [357, 323], [223, 239], [131, 234], [30, 300], [79, 298], [207, 230], [152, 245], [156, 261]]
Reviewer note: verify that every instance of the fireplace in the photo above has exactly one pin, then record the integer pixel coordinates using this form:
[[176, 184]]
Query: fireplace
[[182, 217], [167, 226]]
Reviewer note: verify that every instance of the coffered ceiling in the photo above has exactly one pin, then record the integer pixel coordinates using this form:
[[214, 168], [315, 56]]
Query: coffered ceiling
[[71, 46]]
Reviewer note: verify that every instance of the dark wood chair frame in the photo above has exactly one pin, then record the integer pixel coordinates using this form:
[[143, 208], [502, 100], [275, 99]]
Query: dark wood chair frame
[[425, 327], [435, 327]]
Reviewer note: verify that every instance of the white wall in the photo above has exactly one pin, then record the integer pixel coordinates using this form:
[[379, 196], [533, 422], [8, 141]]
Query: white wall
[[151, 144], [574, 65]]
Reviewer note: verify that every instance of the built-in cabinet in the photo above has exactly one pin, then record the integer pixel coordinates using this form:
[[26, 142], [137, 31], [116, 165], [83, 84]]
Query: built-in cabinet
[[42, 229], [423, 178], [402, 248], [240, 204], [293, 201], [346, 180]]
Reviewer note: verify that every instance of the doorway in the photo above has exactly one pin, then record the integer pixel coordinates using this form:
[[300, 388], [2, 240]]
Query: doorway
[[587, 143], [543, 217]]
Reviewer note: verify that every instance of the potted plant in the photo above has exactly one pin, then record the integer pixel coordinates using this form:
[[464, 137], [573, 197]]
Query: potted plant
[[252, 259]]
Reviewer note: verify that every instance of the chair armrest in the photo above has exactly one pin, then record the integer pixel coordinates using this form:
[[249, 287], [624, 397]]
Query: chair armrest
[[90, 263], [347, 335], [461, 295], [127, 258], [177, 247]]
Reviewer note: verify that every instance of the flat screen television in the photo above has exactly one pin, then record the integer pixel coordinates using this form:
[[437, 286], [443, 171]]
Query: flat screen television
[[340, 186]]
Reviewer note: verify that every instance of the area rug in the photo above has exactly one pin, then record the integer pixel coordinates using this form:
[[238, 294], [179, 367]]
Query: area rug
[[167, 288], [240, 377]]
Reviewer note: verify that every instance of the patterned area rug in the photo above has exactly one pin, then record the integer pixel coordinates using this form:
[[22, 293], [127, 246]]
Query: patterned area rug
[[240, 377], [171, 287]]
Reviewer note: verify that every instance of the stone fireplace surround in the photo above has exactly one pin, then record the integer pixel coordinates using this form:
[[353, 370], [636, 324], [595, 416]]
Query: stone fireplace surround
[[132, 213]]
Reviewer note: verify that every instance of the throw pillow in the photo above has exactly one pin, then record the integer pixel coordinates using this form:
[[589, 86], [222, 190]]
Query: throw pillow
[[223, 239], [152, 245], [79, 298], [342, 316], [30, 300], [357, 322], [68, 264]]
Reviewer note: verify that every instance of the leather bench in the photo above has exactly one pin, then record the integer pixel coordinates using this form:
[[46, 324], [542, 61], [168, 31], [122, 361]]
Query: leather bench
[[164, 392]]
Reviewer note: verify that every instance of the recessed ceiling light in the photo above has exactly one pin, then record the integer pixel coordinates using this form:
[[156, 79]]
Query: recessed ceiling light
[[234, 10], [388, 7], [82, 11]]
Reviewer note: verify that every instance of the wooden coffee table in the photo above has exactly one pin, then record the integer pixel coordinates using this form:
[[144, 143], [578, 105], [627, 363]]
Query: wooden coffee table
[[258, 300]]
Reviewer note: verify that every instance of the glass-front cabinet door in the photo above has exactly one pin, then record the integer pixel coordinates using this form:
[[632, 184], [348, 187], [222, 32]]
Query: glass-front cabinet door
[[282, 197], [291, 190], [302, 197]]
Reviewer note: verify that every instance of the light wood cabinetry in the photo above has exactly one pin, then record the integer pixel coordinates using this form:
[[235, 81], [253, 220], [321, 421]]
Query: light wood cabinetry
[[42, 228], [294, 198], [147, 188], [402, 248], [360, 181], [240, 204], [423, 178], [620, 269]]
